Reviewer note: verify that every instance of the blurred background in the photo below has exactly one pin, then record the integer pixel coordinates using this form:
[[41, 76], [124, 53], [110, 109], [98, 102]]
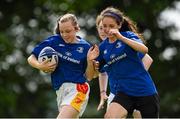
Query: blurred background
[[26, 92]]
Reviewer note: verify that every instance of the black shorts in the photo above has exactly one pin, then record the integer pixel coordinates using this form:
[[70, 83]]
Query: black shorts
[[147, 105]]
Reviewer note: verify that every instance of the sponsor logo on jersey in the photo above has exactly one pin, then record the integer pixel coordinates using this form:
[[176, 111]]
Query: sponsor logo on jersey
[[68, 53], [118, 45], [65, 57], [115, 59], [80, 49], [112, 56]]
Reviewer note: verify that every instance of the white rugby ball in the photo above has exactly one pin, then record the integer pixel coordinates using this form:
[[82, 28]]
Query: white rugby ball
[[48, 53]]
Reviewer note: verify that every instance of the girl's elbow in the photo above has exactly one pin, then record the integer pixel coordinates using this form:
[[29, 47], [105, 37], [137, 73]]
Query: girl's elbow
[[29, 59], [145, 50]]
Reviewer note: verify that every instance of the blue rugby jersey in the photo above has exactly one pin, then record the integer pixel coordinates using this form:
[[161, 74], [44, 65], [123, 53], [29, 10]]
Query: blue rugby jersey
[[124, 67], [72, 60], [112, 85]]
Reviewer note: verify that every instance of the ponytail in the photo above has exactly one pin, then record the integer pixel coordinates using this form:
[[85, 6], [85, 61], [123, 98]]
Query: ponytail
[[129, 25], [56, 29]]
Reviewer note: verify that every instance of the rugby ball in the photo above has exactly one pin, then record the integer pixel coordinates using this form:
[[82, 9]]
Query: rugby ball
[[48, 53]]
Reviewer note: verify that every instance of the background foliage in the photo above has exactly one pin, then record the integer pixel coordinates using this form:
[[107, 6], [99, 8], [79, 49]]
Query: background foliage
[[26, 92]]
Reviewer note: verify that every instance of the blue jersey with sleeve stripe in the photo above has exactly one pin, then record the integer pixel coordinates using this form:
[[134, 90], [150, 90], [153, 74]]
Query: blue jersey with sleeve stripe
[[124, 67], [72, 60]]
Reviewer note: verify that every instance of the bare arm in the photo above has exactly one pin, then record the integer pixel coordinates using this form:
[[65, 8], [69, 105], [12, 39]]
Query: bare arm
[[133, 44], [147, 61], [33, 61], [93, 53], [44, 66], [90, 70], [103, 81]]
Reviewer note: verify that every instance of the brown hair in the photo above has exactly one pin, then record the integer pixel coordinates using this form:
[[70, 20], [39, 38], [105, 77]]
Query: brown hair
[[65, 18], [126, 23]]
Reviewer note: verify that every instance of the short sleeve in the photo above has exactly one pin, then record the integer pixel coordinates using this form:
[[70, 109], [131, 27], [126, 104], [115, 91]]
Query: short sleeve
[[101, 60], [134, 37], [39, 47], [140, 55]]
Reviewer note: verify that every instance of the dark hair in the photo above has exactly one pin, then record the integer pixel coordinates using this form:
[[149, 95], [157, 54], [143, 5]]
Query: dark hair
[[126, 23], [66, 18]]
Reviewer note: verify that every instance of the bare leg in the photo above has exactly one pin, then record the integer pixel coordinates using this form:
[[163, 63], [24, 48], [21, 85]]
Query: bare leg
[[68, 111], [137, 114], [115, 110]]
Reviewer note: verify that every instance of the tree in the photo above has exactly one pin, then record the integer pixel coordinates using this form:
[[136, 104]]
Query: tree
[[27, 93]]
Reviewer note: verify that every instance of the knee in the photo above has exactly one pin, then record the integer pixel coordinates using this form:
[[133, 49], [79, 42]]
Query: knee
[[107, 115], [112, 115]]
